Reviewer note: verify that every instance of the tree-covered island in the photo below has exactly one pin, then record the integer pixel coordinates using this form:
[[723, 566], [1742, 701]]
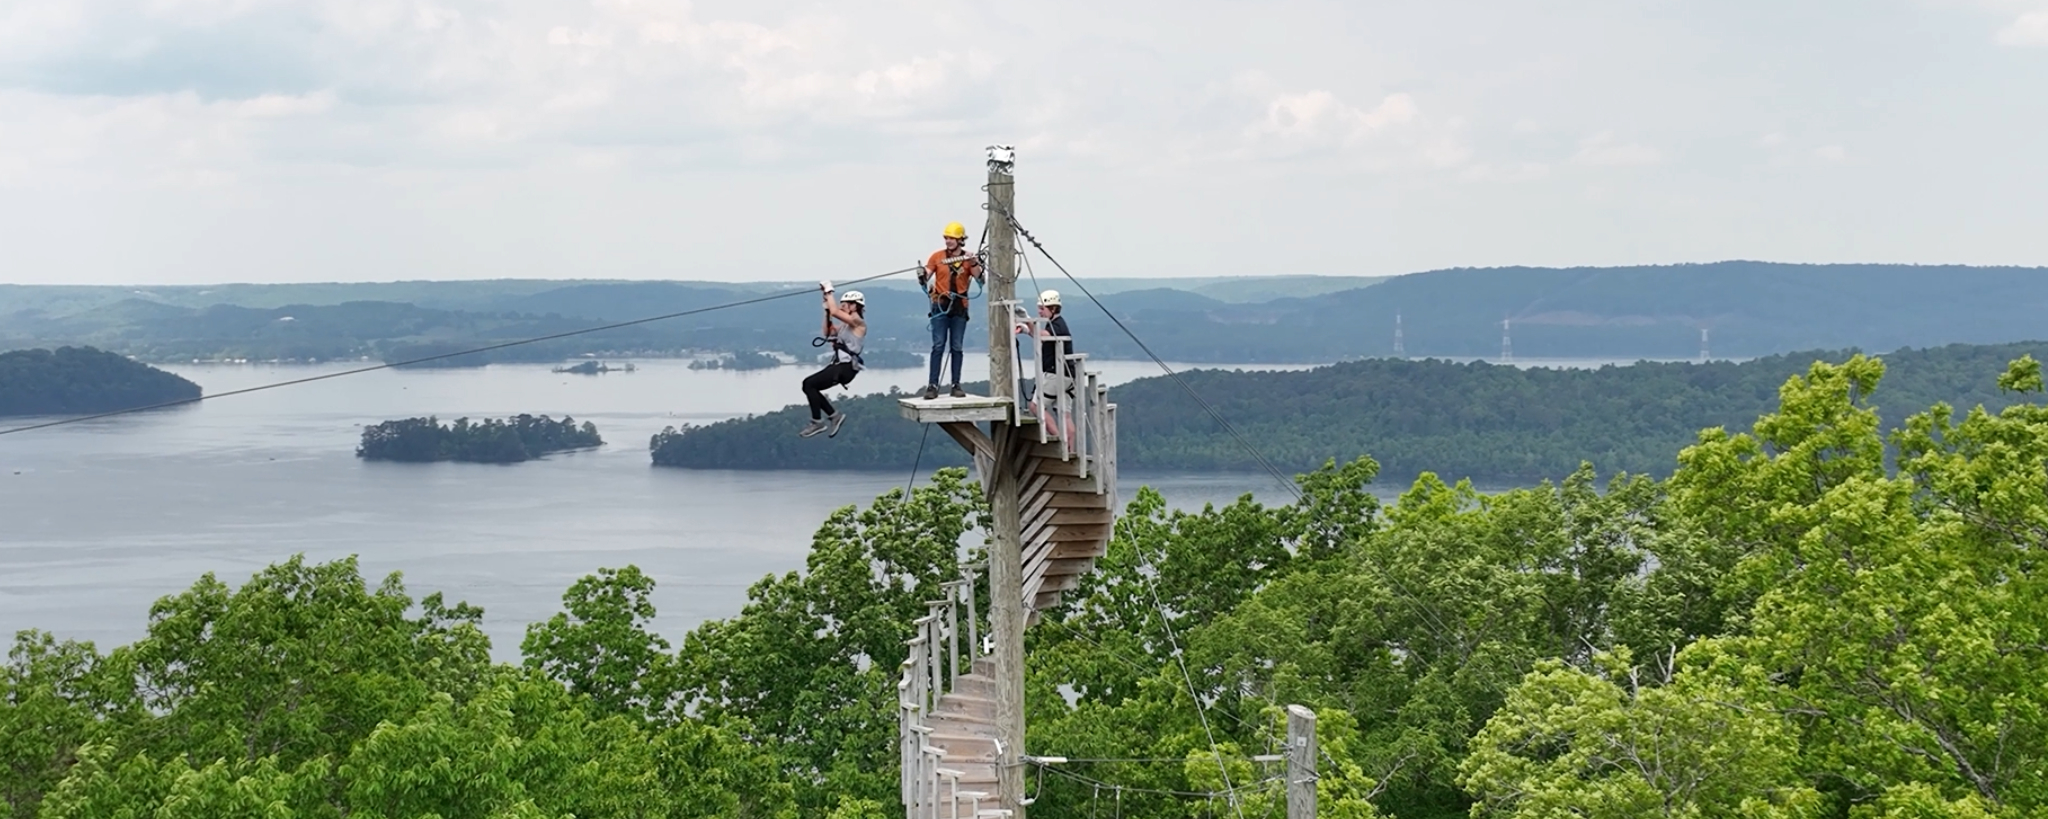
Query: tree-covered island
[[71, 380], [519, 438]]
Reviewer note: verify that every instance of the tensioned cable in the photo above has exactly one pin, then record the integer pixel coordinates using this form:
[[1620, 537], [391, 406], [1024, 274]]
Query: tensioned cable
[[424, 359], [1218, 417]]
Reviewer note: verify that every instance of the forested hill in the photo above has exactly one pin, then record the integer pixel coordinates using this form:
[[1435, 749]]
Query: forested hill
[[82, 380], [1476, 420], [1655, 312]]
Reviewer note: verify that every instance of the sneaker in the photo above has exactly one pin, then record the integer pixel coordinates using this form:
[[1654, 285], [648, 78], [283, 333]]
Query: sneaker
[[959, 393], [837, 419], [816, 426], [931, 391]]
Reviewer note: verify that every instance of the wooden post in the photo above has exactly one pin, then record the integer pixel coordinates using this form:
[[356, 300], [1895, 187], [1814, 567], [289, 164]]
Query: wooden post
[[1301, 763], [1006, 554], [1002, 273]]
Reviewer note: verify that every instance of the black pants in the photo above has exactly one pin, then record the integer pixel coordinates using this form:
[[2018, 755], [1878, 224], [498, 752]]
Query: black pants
[[835, 374]]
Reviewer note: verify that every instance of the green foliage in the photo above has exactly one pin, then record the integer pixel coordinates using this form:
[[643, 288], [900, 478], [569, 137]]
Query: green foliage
[[1611, 744], [1486, 422], [519, 438], [810, 664], [601, 648], [83, 380], [1810, 619]]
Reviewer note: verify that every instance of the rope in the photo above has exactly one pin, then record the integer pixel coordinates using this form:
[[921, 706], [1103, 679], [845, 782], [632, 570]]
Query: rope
[[422, 360], [908, 485]]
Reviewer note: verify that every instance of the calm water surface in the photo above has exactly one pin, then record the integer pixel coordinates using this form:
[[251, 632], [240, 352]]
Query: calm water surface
[[100, 519]]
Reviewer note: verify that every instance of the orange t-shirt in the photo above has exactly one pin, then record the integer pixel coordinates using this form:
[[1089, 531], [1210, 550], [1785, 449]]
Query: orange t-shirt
[[953, 278]]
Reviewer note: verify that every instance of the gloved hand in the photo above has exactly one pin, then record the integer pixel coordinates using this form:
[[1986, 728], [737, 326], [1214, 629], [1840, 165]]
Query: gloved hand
[[825, 286]]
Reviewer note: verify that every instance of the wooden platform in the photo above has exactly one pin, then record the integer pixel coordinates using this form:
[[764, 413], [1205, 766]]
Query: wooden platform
[[947, 409]]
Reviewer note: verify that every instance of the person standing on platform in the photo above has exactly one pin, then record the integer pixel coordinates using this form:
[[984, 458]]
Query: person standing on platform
[[945, 278]]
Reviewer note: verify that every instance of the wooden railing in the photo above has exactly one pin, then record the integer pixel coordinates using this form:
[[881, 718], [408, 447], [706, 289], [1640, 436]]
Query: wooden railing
[[1081, 419], [931, 670]]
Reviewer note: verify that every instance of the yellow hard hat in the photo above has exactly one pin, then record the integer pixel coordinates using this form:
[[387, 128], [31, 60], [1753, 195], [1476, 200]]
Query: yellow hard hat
[[955, 230]]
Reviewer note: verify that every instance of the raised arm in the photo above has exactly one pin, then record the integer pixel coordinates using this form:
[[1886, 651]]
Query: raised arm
[[834, 311]]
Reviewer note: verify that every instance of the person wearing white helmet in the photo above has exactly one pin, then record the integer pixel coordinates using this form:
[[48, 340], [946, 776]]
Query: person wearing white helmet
[[1055, 372], [846, 339]]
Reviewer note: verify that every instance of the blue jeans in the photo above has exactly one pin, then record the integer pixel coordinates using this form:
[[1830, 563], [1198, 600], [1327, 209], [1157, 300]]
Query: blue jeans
[[948, 332]]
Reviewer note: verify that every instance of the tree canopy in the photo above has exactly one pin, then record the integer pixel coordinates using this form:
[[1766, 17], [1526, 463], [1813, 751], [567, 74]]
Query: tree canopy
[[71, 380], [1820, 614], [515, 439], [1488, 422]]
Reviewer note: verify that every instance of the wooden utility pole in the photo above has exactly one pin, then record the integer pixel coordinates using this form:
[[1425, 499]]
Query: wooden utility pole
[[1006, 554], [1301, 763]]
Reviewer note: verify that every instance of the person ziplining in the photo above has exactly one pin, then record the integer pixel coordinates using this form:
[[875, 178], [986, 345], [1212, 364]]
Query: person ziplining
[[846, 341], [946, 277]]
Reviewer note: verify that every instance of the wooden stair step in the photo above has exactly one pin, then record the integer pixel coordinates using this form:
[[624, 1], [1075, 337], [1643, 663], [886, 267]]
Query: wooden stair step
[[1064, 483], [1077, 500], [1057, 468], [1084, 532], [1082, 517], [976, 686]]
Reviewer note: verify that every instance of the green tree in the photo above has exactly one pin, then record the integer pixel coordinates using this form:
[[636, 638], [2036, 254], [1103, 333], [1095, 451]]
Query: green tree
[[601, 646], [1610, 744], [1898, 618], [52, 698], [809, 667]]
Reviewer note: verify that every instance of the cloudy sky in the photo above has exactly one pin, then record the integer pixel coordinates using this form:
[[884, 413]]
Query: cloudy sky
[[191, 141]]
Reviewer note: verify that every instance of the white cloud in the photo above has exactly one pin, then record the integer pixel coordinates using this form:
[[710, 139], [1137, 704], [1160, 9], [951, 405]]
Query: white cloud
[[272, 106], [2030, 29], [722, 118], [1601, 149]]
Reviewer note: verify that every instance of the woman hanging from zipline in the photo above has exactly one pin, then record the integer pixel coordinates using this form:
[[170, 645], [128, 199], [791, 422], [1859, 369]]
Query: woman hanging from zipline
[[846, 340]]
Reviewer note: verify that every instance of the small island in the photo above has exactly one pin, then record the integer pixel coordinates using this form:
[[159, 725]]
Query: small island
[[73, 380], [516, 439], [595, 368], [743, 360]]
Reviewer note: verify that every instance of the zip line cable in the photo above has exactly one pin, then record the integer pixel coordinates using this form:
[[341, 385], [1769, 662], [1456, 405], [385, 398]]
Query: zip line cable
[[1218, 417], [424, 359], [1173, 640]]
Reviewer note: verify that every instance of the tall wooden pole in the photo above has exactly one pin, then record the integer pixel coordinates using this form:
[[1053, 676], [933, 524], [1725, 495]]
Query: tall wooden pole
[[1301, 763], [1006, 555]]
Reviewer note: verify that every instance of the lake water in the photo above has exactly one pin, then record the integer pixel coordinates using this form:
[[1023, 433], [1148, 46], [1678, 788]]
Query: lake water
[[99, 519]]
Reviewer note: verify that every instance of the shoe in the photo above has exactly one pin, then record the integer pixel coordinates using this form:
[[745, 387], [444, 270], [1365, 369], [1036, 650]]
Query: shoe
[[837, 419], [931, 391], [959, 393], [816, 426]]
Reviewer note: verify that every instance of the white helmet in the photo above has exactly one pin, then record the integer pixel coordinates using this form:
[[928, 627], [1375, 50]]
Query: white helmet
[[1049, 298], [853, 297]]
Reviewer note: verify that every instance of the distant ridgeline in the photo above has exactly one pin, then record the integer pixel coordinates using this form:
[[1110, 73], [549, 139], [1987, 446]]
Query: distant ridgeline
[[1488, 422], [1658, 312], [520, 438], [74, 380]]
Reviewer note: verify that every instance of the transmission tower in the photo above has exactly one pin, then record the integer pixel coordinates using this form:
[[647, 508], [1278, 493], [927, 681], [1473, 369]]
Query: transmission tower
[[1703, 344], [1507, 347], [1398, 350]]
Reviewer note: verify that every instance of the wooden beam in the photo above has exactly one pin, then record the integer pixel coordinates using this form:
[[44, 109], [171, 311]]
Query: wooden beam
[[970, 437]]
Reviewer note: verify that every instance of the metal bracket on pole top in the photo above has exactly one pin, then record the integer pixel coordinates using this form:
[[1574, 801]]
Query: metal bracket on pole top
[[1002, 158]]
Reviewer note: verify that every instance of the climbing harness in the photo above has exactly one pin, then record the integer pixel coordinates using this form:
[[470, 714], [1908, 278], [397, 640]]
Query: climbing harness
[[838, 347]]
